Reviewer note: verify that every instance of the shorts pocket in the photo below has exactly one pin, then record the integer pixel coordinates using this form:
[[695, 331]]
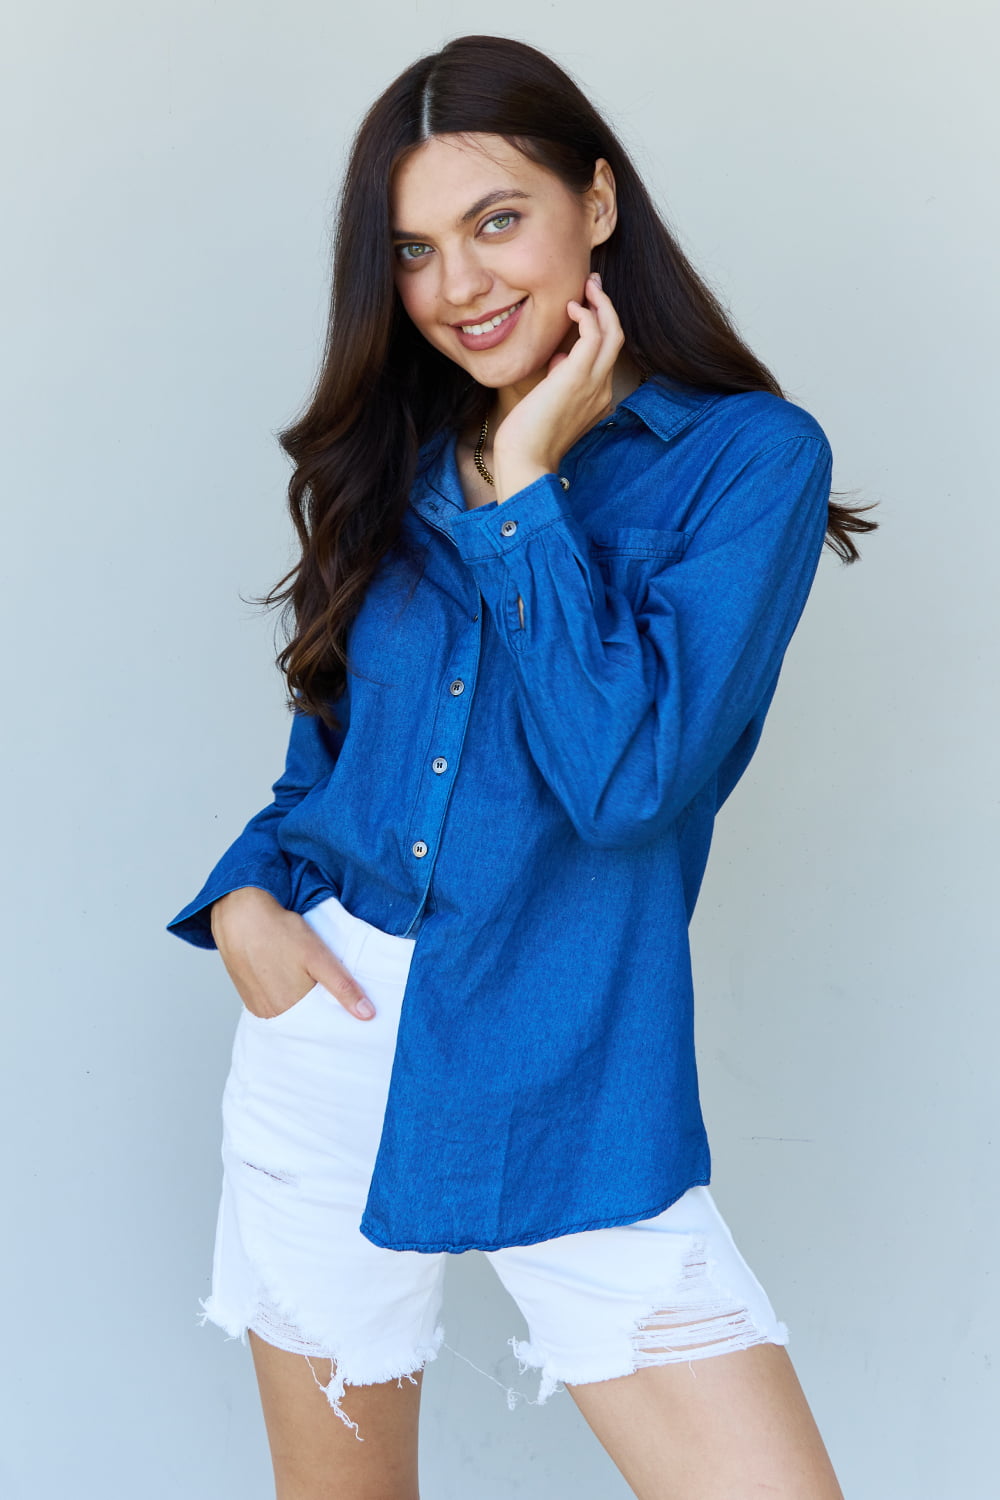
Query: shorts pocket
[[286, 1017]]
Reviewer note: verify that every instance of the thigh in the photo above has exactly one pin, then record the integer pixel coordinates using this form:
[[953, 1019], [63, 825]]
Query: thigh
[[318, 1457], [736, 1425]]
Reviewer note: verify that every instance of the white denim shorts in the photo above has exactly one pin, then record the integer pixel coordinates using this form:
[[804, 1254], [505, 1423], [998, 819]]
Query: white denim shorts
[[302, 1117]]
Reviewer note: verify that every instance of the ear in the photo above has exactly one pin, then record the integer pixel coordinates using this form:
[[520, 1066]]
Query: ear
[[602, 203]]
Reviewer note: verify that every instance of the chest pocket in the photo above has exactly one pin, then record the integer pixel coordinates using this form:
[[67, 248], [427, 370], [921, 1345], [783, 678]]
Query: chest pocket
[[638, 541], [629, 556]]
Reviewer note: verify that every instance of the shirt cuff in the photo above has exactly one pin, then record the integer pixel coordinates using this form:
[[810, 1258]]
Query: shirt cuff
[[193, 922], [492, 530]]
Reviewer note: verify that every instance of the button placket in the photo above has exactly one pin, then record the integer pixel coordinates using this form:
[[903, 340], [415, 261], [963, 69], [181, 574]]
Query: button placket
[[447, 734]]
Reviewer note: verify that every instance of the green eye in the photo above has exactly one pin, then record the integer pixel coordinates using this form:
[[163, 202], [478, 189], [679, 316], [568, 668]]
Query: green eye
[[401, 248], [509, 219]]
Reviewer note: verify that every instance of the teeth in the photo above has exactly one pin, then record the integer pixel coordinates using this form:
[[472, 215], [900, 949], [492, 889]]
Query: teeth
[[493, 323]]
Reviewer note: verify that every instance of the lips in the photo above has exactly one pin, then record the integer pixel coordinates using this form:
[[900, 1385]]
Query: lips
[[492, 335], [469, 323]]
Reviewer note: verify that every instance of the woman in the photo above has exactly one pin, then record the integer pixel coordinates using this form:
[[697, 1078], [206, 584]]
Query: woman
[[557, 527]]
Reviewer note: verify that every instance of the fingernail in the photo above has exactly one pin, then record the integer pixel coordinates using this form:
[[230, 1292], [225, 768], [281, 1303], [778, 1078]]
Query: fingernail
[[365, 1009], [595, 276]]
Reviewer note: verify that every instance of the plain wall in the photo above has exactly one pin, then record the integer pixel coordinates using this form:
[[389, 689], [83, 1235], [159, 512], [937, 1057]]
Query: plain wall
[[169, 178]]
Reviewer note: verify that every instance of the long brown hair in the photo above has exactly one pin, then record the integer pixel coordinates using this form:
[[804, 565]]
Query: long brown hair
[[383, 390]]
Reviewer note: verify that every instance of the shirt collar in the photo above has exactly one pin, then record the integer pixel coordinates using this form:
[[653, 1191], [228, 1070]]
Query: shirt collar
[[663, 405], [666, 406]]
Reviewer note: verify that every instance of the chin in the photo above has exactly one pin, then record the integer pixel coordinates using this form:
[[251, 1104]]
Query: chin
[[513, 369]]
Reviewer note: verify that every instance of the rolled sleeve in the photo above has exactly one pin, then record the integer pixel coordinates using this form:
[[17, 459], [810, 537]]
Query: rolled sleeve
[[236, 868]]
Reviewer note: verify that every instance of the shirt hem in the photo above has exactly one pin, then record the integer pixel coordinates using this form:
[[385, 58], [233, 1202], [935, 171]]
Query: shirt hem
[[532, 1237]]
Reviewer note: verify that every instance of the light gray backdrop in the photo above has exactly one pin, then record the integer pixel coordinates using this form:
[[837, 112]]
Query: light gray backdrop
[[170, 170]]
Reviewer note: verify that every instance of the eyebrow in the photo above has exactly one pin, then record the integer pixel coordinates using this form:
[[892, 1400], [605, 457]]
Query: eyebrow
[[500, 195]]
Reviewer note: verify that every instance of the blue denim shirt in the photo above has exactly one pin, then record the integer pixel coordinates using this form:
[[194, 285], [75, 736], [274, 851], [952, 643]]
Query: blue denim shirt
[[530, 793]]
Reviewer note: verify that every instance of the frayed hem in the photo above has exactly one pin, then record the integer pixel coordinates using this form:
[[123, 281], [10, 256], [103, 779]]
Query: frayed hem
[[397, 1370], [699, 1316], [554, 1379], [237, 1328], [552, 1382], [212, 1311], [529, 1356]]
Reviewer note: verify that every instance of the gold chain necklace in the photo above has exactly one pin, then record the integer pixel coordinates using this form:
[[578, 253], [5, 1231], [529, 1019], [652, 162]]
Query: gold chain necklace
[[478, 456], [483, 432]]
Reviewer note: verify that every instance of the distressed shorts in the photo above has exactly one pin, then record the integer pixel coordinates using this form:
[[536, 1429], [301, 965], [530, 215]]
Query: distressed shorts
[[302, 1117]]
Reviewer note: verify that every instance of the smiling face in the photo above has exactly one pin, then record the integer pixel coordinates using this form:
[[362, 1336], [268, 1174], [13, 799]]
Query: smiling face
[[489, 248]]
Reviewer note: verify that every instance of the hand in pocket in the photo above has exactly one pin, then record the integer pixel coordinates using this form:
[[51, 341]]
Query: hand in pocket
[[274, 957]]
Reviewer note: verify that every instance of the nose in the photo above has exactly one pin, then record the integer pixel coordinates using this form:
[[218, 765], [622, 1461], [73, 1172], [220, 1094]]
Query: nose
[[464, 280]]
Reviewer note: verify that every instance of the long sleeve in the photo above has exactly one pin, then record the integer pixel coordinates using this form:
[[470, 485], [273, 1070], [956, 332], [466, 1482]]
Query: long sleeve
[[255, 857], [631, 699]]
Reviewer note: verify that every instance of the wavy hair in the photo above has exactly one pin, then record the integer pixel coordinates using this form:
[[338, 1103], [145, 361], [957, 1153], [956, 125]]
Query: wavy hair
[[383, 390]]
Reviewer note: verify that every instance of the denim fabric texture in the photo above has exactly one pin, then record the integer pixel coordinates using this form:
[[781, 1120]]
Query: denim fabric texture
[[529, 790]]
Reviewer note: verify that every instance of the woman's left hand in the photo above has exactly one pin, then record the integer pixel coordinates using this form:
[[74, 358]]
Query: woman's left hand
[[574, 394]]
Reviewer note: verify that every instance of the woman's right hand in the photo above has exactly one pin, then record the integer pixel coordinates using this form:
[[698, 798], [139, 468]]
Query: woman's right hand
[[274, 957]]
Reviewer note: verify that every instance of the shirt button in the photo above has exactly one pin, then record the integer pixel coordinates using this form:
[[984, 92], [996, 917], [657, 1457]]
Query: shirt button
[[420, 848], [475, 617], [508, 528], [564, 481], [440, 764], [456, 687]]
